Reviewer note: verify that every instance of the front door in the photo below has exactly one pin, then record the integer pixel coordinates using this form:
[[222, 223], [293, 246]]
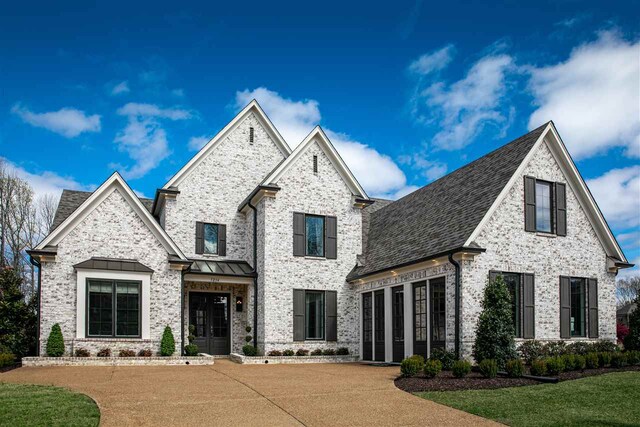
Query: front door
[[367, 326], [379, 322], [397, 317], [209, 313], [437, 302], [420, 319]]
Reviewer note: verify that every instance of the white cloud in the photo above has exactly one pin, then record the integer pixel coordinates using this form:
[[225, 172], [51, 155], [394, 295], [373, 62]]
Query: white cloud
[[197, 142], [631, 239], [144, 139], [430, 169], [68, 122], [376, 172], [630, 272], [178, 92], [432, 62], [120, 88], [592, 96], [618, 195]]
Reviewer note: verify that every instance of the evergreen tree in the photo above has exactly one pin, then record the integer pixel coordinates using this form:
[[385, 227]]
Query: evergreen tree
[[17, 318], [495, 335], [168, 344], [632, 340], [55, 343]]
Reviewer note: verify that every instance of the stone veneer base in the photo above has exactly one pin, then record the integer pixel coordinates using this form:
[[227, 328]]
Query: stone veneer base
[[117, 361], [263, 360]]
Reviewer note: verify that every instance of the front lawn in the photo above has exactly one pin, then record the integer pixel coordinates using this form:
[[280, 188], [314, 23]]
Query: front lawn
[[610, 399], [33, 405]]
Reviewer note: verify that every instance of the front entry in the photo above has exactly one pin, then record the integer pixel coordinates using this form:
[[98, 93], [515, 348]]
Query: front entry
[[210, 314], [420, 334], [379, 322], [397, 317], [367, 326]]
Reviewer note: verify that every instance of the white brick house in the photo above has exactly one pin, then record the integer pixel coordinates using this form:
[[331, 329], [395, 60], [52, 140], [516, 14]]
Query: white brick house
[[252, 234]]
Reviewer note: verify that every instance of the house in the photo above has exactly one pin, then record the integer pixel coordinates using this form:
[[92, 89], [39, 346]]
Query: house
[[623, 314], [251, 240]]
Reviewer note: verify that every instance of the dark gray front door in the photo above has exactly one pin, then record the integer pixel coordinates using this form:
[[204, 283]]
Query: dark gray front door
[[437, 308], [379, 323], [210, 313]]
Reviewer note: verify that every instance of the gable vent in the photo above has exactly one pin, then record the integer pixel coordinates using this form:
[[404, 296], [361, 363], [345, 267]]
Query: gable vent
[[251, 135], [315, 164]]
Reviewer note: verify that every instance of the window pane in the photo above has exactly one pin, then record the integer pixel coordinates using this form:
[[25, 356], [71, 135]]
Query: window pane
[[513, 283], [437, 312], [420, 321], [314, 315], [543, 207], [127, 309], [315, 235], [577, 307], [100, 308], [210, 238]]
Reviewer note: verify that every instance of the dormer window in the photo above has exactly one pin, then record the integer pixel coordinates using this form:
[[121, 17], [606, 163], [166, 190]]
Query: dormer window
[[545, 206], [251, 135], [544, 219]]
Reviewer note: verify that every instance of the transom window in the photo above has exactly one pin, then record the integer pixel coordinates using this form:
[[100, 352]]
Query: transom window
[[543, 206], [578, 303], [314, 315], [113, 308], [315, 235], [210, 238]]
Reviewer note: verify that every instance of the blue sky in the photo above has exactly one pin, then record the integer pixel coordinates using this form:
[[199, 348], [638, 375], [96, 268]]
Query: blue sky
[[407, 92]]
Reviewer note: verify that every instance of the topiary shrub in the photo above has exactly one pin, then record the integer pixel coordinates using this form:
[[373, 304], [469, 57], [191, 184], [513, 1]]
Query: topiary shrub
[[555, 348], [495, 336], [555, 365], [302, 352], [127, 353], [538, 368], [633, 357], [604, 359], [274, 353], [248, 338], [105, 352], [167, 344], [191, 350], [432, 367], [514, 368], [592, 360], [81, 352], [342, 351], [7, 359], [317, 352], [569, 362], [618, 360], [579, 362], [461, 368], [249, 350], [329, 352], [288, 352], [488, 368], [55, 343], [145, 353], [410, 367], [531, 350], [447, 358]]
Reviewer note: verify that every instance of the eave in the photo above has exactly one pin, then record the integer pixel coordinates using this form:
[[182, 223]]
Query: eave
[[257, 194]]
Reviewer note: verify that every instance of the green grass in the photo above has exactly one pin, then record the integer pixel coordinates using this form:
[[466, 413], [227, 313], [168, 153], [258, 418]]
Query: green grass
[[610, 399], [34, 405]]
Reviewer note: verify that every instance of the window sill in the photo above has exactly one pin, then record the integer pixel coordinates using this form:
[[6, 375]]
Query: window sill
[[113, 339], [317, 258], [542, 234]]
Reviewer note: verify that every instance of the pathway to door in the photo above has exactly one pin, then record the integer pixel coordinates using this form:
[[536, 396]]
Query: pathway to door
[[230, 394]]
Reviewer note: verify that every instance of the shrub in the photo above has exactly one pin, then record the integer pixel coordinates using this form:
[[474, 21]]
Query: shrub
[[410, 367], [461, 368], [632, 341], [604, 346], [555, 365], [488, 368], [432, 367], [555, 348], [7, 359], [569, 362], [604, 359], [531, 350], [81, 352], [618, 360], [592, 360], [538, 368], [342, 351], [167, 344], [495, 336], [580, 362], [247, 328], [126, 353], [633, 357], [274, 353], [105, 352], [622, 331], [288, 352], [145, 353], [248, 338], [579, 347], [55, 343], [317, 352], [447, 358], [419, 358], [249, 350], [515, 368], [329, 352], [191, 350], [302, 352]]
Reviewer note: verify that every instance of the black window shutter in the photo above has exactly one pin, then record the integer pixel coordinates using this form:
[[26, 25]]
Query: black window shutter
[[593, 308], [298, 315], [529, 203], [331, 308], [331, 237], [222, 239], [561, 209], [199, 237], [298, 234], [565, 307], [528, 315]]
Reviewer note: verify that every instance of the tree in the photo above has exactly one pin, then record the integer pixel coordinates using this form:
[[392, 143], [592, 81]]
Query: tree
[[167, 344], [632, 340], [495, 334], [17, 318], [627, 290], [55, 343]]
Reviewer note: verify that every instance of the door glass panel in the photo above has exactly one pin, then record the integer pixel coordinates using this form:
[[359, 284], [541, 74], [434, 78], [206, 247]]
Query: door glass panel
[[438, 302], [577, 307], [367, 317], [419, 296], [199, 315], [379, 316], [219, 316], [398, 315]]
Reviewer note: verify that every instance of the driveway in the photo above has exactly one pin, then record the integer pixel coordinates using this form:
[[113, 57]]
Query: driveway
[[231, 394]]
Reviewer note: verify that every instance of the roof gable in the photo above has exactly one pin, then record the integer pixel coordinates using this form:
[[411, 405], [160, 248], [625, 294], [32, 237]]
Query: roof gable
[[94, 200], [252, 107]]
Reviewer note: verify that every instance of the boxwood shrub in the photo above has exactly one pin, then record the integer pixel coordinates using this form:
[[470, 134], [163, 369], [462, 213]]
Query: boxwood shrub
[[538, 368], [249, 350], [447, 358], [555, 365], [514, 368], [461, 368], [81, 352], [410, 366], [633, 357], [55, 343], [167, 344], [302, 352], [7, 359], [488, 368], [592, 360], [342, 351], [604, 359], [618, 360], [579, 362], [288, 352], [432, 367]]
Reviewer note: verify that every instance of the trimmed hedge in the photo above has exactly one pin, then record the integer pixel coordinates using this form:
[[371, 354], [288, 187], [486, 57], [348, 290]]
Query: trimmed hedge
[[555, 365], [538, 367], [55, 343]]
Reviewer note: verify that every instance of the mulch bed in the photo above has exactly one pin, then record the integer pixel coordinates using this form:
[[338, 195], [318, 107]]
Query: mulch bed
[[445, 381], [10, 368]]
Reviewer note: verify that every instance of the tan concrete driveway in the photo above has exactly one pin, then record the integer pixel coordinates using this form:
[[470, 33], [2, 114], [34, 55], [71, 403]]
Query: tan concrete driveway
[[231, 394]]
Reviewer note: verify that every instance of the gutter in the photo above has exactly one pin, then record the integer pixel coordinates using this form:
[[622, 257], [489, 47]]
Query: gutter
[[254, 272], [182, 290], [456, 266], [37, 264], [249, 199]]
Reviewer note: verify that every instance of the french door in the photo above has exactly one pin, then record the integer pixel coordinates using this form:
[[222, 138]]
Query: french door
[[210, 314]]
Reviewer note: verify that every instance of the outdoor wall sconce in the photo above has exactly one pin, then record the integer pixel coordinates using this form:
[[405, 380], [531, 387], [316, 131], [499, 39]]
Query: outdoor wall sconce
[[238, 303]]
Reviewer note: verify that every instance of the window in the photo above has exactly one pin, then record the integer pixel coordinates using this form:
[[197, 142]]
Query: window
[[113, 308], [314, 315], [251, 135], [513, 283], [314, 226], [315, 164], [420, 312], [210, 238], [367, 316], [438, 301], [397, 298], [543, 207], [577, 307]]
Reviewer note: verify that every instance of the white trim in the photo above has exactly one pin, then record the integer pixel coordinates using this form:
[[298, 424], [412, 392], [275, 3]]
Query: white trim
[[81, 300], [254, 107], [388, 325], [114, 182], [214, 279], [317, 135], [575, 181], [408, 318]]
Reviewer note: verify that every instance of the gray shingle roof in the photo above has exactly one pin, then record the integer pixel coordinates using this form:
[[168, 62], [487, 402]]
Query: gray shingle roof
[[70, 200], [442, 215]]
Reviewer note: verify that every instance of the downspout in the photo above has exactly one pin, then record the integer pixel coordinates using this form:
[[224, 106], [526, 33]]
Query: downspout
[[37, 264], [456, 266], [255, 273], [182, 312]]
